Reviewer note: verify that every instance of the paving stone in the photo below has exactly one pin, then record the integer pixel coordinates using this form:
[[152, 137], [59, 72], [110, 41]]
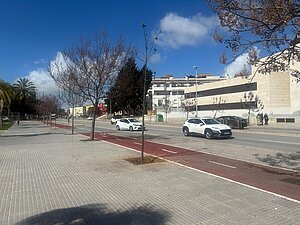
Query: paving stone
[[59, 179]]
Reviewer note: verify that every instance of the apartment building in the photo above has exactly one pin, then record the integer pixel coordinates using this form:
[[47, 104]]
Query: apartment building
[[167, 93], [276, 94]]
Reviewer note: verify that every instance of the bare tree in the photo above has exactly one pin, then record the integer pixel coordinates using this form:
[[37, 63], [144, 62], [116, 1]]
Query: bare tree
[[244, 72], [47, 104], [64, 78], [267, 24], [218, 103], [92, 66], [69, 96], [252, 103]]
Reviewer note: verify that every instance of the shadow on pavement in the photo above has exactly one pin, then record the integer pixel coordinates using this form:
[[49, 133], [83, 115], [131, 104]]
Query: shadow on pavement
[[98, 214], [25, 134], [289, 160]]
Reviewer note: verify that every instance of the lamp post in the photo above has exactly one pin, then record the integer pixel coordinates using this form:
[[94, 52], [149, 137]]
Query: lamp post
[[196, 76]]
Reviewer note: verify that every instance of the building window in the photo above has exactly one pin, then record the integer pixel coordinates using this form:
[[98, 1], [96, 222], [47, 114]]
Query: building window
[[177, 92], [226, 106], [223, 90], [162, 92]]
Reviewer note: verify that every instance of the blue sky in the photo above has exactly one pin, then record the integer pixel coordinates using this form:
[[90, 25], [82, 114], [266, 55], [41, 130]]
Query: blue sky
[[32, 32]]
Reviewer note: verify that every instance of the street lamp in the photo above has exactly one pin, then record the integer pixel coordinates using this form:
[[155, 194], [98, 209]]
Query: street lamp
[[196, 102]]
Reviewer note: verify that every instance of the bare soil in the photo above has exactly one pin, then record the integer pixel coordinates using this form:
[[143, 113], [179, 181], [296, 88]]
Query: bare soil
[[146, 160]]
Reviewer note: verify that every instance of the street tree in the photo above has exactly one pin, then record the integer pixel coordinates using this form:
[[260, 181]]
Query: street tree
[[47, 104], [7, 93], [126, 94], [64, 78], [2, 97], [26, 96], [243, 73], [268, 25], [93, 64]]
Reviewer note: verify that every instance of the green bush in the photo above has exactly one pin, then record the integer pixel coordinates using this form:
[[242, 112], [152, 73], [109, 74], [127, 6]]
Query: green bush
[[6, 125]]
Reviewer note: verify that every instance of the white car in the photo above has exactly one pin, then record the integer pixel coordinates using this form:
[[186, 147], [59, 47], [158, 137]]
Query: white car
[[130, 124], [114, 119], [208, 127]]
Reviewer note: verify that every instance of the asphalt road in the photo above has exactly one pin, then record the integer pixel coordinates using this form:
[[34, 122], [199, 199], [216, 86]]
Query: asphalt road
[[273, 140]]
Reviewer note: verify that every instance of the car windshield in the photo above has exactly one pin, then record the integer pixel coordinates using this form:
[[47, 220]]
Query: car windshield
[[210, 121], [133, 120]]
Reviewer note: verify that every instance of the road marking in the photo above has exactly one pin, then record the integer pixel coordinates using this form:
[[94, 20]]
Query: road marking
[[221, 164], [137, 143], [279, 142], [211, 174], [118, 139], [166, 150]]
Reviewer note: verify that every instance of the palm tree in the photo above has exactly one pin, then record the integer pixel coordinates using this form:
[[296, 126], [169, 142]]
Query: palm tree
[[25, 92], [7, 93], [25, 88]]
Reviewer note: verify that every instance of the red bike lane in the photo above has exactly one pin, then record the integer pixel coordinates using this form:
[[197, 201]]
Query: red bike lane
[[283, 182], [279, 181]]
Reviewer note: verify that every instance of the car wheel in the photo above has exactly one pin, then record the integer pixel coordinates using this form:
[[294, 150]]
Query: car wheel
[[117, 127], [130, 128], [208, 134], [186, 131]]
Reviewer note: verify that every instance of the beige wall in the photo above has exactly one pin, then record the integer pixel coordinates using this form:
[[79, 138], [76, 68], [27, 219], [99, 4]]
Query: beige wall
[[278, 93]]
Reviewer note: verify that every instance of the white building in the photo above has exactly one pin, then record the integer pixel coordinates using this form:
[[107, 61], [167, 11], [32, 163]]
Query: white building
[[166, 93], [276, 94]]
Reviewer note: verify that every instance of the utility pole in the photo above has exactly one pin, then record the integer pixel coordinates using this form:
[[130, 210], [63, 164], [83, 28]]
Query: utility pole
[[196, 101]]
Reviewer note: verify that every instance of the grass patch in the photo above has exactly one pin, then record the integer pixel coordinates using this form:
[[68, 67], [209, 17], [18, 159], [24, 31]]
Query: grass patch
[[147, 160], [6, 125]]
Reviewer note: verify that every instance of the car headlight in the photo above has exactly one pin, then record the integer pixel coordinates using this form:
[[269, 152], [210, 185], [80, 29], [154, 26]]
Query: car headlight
[[215, 128]]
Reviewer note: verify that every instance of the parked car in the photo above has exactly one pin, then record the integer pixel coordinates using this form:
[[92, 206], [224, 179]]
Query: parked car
[[233, 121], [114, 119], [207, 127], [130, 124]]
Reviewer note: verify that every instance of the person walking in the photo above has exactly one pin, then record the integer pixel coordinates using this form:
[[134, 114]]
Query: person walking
[[266, 118]]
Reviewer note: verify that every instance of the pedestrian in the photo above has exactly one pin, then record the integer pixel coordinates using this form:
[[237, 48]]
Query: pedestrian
[[259, 119], [18, 121], [266, 118]]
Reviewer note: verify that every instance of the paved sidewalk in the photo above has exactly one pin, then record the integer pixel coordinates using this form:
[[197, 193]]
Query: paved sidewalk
[[56, 178]]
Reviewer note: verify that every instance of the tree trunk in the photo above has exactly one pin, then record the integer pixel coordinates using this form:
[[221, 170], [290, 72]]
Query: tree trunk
[[92, 136], [73, 112]]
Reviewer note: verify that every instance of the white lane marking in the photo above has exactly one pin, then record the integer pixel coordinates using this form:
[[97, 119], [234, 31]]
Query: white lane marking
[[221, 164], [166, 150], [118, 139], [137, 143], [211, 174], [279, 142]]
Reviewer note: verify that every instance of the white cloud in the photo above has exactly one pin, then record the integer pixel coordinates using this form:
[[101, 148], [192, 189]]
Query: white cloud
[[59, 64], [237, 65], [40, 61], [42, 81], [180, 31]]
